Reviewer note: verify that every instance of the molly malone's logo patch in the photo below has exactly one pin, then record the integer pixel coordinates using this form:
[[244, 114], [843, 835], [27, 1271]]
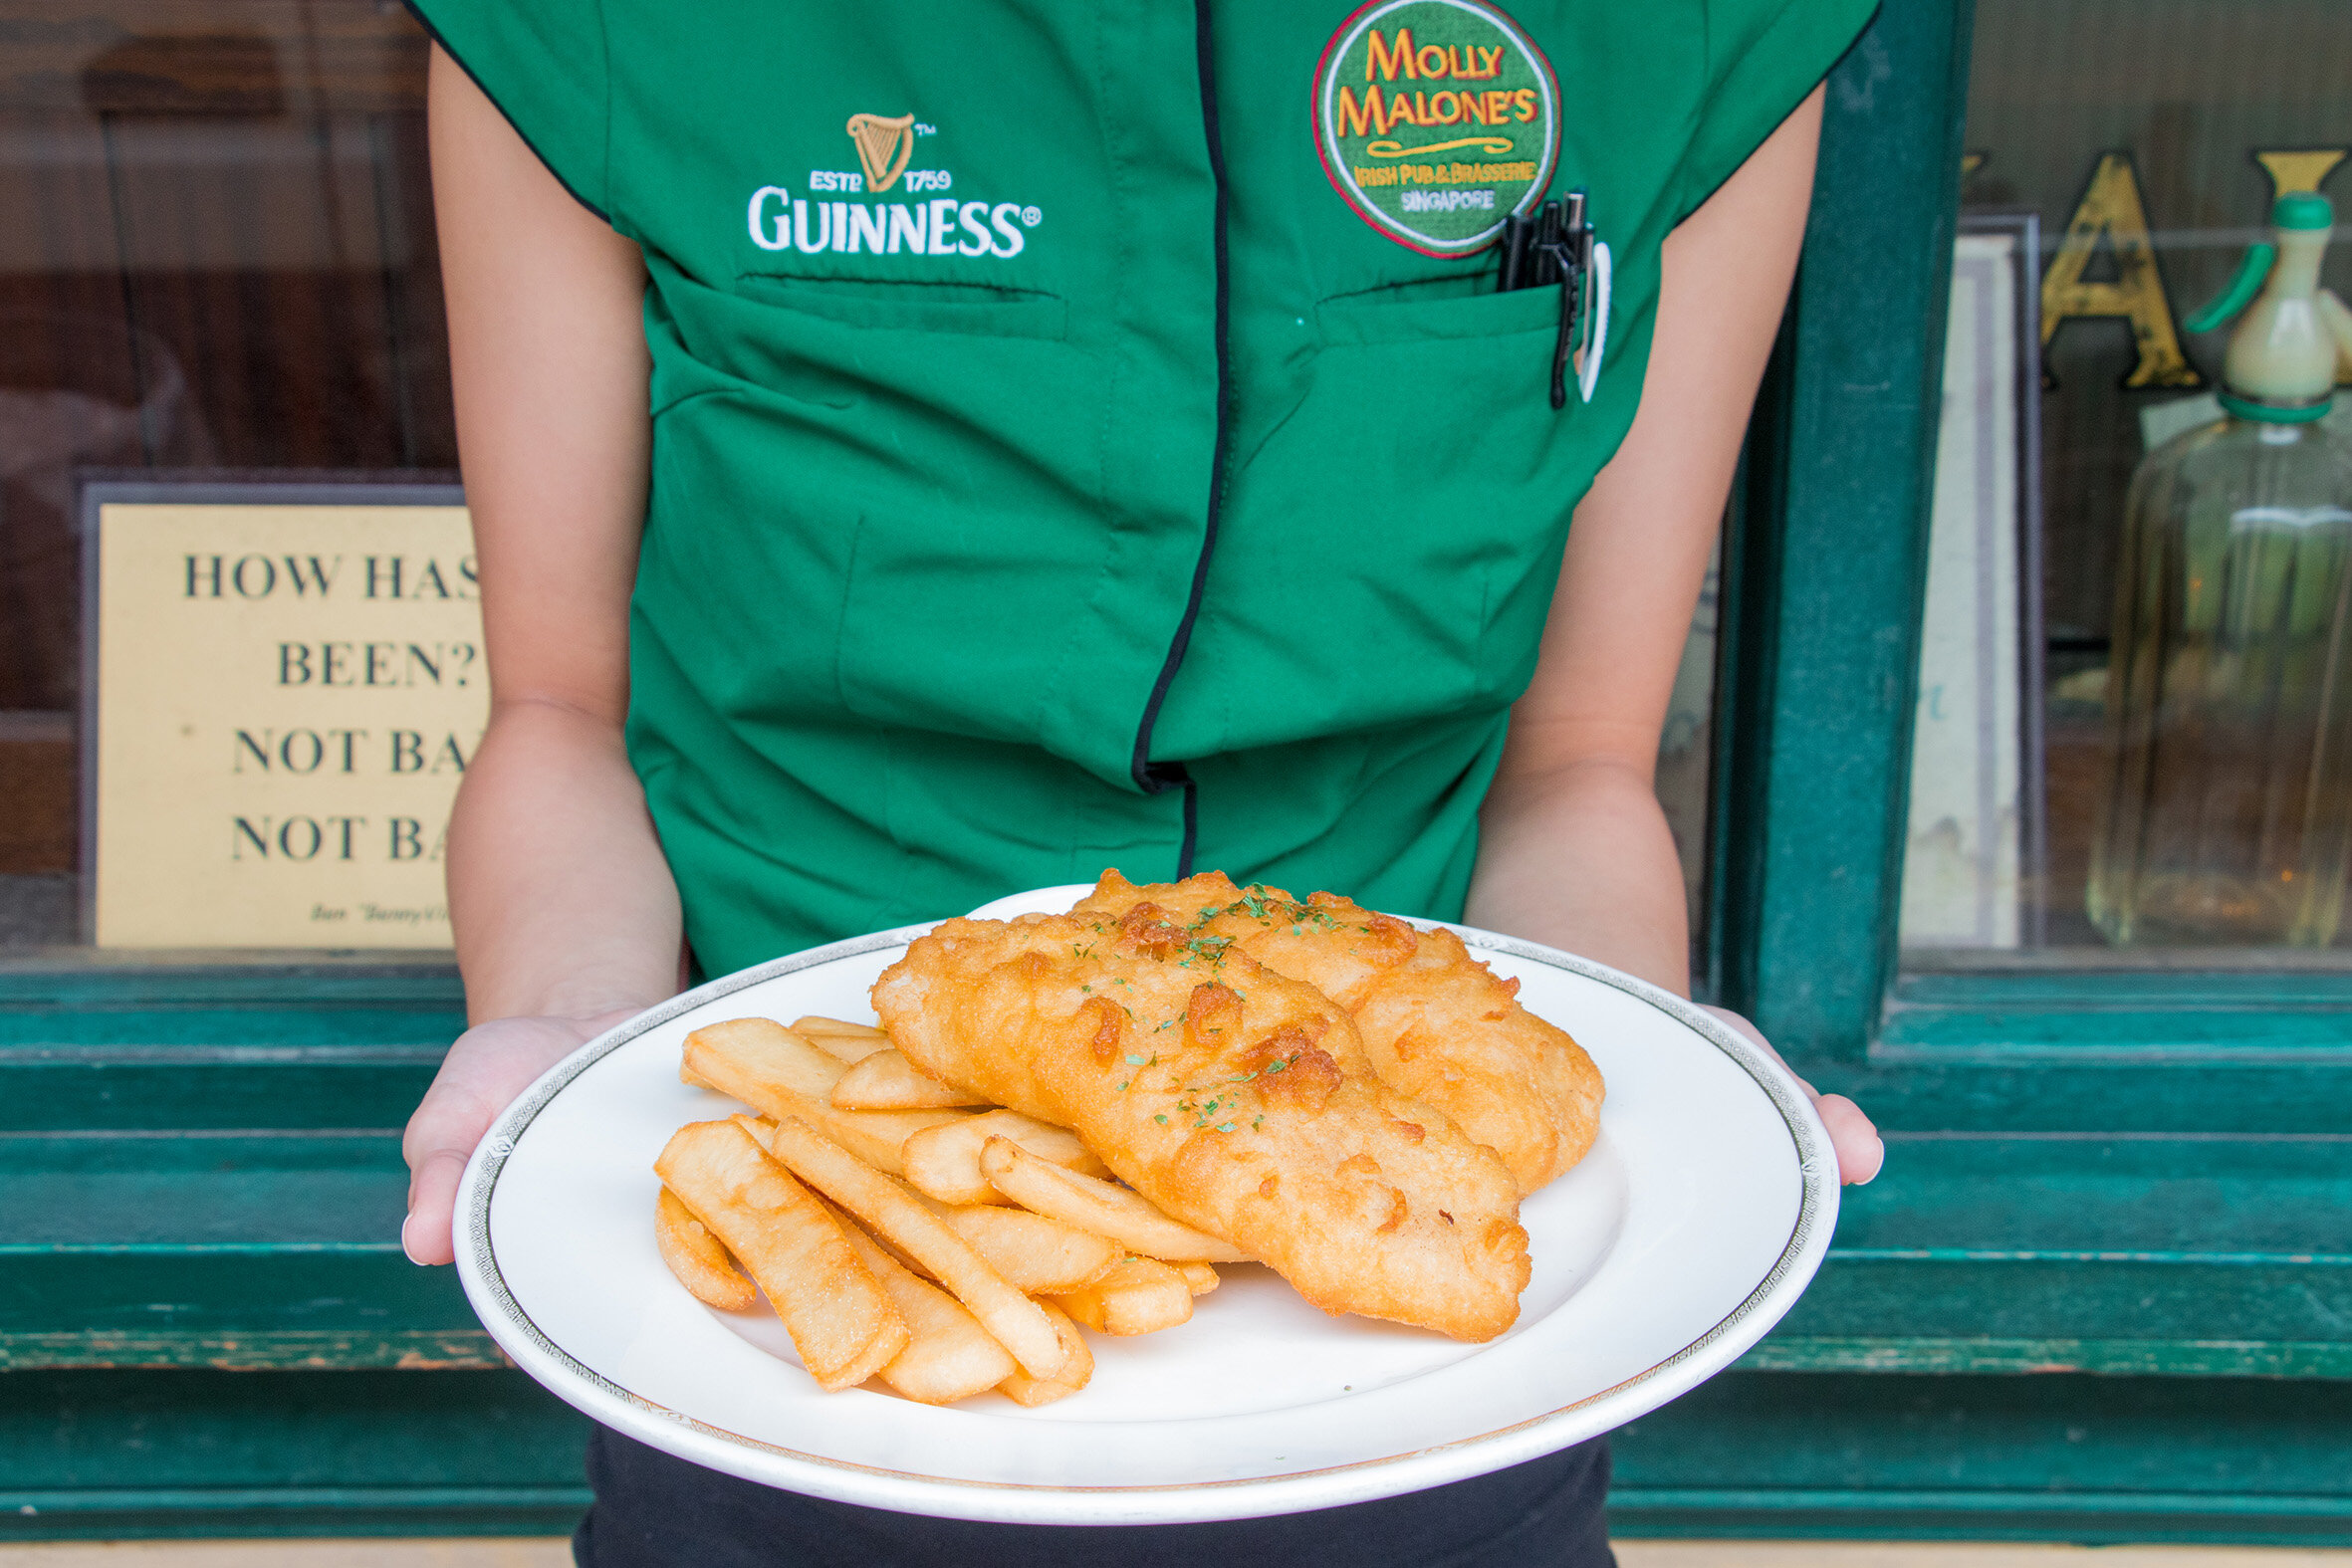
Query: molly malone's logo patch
[[1436, 121], [884, 144]]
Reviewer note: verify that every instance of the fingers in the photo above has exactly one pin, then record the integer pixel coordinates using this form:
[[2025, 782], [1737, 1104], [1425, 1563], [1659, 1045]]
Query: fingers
[[427, 1236], [439, 1140], [485, 1070], [1860, 1151]]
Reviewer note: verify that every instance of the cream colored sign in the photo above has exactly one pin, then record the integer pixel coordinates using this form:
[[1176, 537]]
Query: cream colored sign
[[286, 698]]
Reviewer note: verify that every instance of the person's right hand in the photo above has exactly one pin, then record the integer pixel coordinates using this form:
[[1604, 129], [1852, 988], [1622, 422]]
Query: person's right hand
[[489, 1066]]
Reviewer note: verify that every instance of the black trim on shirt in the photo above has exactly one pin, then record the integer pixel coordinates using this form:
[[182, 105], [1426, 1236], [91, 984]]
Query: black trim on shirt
[[1158, 777]]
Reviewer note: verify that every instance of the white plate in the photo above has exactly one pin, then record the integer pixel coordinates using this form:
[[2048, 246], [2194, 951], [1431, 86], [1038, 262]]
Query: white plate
[[1689, 1230]]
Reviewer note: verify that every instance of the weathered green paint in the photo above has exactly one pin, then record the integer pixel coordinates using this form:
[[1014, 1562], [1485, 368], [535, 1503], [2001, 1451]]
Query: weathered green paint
[[46, 1003], [2141, 1175], [2095, 989], [155, 1088], [1830, 574], [2049, 1458], [193, 1452], [2176, 1358], [2283, 1017], [105, 978], [2063, 1092], [181, 1242], [256, 1350]]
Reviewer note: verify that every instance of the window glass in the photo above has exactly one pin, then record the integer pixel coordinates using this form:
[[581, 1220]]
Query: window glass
[[216, 261], [2136, 671], [217, 266]]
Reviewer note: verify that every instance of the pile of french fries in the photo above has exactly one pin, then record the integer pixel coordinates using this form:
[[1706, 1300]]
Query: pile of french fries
[[903, 1229]]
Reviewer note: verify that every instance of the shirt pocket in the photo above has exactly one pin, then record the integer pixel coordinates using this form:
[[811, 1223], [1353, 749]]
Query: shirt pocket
[[967, 308], [1439, 310]]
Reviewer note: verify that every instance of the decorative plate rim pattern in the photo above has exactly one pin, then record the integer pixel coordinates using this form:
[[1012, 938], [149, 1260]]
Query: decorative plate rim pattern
[[507, 1322]]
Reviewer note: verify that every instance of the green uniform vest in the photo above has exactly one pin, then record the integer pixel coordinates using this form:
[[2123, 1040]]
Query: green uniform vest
[[1052, 468]]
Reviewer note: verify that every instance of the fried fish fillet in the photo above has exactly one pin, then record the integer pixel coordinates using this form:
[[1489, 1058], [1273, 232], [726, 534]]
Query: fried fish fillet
[[1435, 1021], [1236, 1099]]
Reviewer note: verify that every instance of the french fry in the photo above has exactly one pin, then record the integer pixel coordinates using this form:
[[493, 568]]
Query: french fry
[[887, 1081], [1140, 1295], [780, 1074], [849, 1041], [840, 1319], [1200, 1278], [1021, 1389], [760, 1053], [818, 1023], [950, 1357], [945, 1162], [697, 1257], [897, 1217], [1034, 1254], [1126, 1218], [1038, 1256]]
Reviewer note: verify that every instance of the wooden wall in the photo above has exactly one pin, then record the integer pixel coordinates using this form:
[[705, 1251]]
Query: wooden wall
[[216, 250]]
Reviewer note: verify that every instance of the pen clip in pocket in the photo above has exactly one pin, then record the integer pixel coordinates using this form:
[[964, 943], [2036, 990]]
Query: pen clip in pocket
[[1554, 245]]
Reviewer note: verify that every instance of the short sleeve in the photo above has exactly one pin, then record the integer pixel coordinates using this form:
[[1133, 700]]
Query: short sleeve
[[544, 63], [1763, 58]]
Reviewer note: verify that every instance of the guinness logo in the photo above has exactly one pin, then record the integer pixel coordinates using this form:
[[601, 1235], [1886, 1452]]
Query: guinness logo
[[884, 144]]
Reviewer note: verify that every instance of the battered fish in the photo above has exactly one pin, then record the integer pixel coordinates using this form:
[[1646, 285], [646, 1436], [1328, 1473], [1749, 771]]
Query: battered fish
[[1239, 1100], [1435, 1021]]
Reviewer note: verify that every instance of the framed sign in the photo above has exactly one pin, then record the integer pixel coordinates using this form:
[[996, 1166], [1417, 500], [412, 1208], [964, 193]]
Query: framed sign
[[282, 686], [1974, 867]]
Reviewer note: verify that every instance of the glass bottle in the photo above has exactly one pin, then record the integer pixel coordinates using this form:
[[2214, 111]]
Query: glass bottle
[[2224, 810]]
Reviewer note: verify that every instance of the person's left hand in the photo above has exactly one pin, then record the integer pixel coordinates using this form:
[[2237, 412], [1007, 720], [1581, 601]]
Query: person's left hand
[[1860, 1152]]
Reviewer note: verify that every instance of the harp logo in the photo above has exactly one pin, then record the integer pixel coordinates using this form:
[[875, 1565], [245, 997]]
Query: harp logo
[[884, 142]]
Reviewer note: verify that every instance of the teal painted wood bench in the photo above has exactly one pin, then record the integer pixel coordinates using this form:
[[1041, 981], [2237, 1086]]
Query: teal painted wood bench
[[2104, 1291], [206, 1324]]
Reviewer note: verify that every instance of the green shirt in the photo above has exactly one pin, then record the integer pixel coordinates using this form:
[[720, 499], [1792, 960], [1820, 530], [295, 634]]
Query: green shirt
[[1055, 467]]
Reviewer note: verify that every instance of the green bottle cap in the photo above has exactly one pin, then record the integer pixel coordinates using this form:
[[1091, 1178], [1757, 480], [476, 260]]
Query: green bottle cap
[[2303, 209]]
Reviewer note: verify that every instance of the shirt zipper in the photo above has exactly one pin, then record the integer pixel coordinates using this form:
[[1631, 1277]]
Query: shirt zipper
[[1159, 777]]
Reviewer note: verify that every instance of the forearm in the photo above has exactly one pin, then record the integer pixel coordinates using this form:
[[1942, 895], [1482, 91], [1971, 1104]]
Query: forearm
[[560, 899], [1579, 857]]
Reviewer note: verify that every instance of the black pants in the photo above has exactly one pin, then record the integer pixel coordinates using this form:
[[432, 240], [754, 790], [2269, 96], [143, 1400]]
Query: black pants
[[655, 1511]]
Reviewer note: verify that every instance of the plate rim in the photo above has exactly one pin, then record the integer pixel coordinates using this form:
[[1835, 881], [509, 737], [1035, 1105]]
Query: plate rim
[[587, 1389]]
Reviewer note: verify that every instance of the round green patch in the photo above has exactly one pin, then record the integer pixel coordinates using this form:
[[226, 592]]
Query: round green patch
[[1436, 121]]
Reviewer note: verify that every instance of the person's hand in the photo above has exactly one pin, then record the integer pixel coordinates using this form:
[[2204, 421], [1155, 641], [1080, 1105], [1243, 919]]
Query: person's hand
[[489, 1066], [1860, 1152]]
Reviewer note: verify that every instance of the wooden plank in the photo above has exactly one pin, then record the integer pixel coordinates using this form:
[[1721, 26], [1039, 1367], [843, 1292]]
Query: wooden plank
[[2189, 1358], [2052, 1457], [259, 264], [108, 1454], [419, 332], [70, 389], [37, 772], [259, 1350], [210, 56], [2068, 1089], [192, 1088]]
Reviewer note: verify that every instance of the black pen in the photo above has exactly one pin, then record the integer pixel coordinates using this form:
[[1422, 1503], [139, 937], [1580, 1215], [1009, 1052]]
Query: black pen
[[1552, 247]]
